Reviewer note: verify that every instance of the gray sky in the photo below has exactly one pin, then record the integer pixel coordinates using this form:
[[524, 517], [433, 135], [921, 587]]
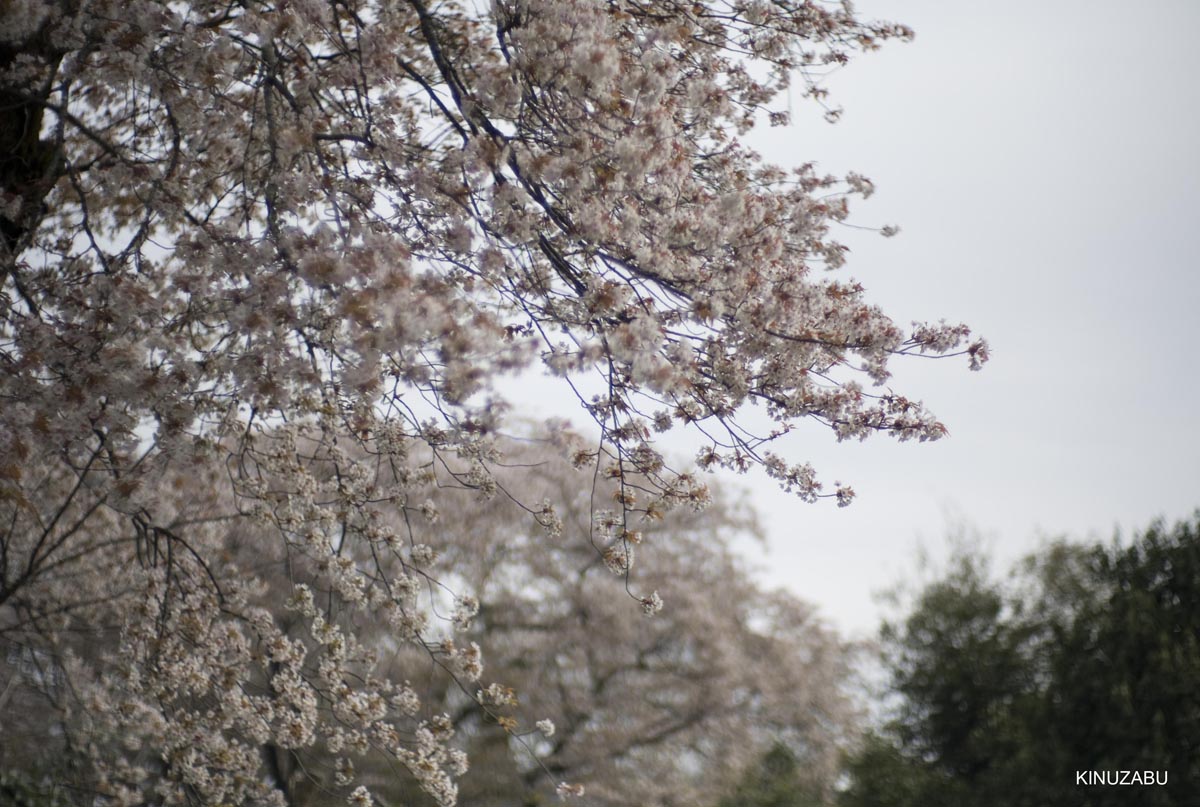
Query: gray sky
[[1041, 160]]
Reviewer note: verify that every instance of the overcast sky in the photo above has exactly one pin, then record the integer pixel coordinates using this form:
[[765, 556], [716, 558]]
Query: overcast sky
[[1041, 160]]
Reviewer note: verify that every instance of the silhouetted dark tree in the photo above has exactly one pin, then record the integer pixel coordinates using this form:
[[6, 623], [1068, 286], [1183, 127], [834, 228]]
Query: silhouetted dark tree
[[1088, 660], [777, 780]]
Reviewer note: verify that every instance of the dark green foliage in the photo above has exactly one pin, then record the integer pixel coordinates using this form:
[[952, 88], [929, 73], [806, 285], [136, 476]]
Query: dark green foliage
[[18, 789], [777, 781], [1134, 666], [1089, 662], [882, 775]]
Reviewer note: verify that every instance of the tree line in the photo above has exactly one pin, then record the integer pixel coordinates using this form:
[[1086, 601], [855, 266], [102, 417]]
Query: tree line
[[1076, 669], [1074, 680]]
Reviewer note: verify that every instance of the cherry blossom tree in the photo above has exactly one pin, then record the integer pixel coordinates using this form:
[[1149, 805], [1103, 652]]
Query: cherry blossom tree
[[164, 673], [668, 711], [265, 262]]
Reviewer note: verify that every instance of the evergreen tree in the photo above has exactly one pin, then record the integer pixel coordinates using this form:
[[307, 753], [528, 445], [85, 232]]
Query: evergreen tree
[[1006, 693]]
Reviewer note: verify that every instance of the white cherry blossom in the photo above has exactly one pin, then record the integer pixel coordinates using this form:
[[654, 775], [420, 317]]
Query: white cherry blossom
[[261, 267]]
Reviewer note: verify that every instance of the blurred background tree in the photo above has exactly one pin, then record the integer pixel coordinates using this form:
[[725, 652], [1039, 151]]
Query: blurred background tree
[[778, 780], [647, 707], [662, 710], [1087, 658]]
